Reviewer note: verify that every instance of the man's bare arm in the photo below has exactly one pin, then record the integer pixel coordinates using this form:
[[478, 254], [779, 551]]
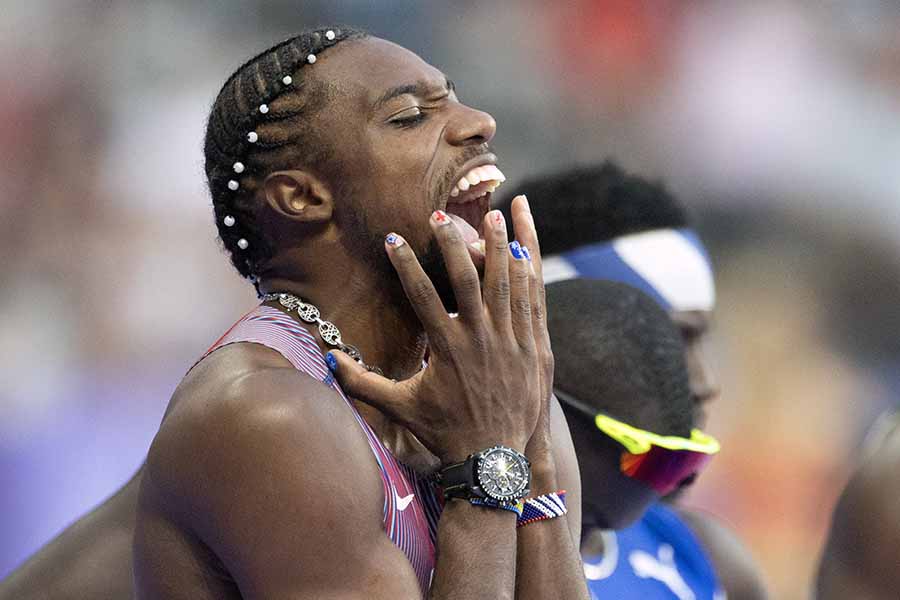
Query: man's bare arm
[[546, 567], [277, 479], [90, 559]]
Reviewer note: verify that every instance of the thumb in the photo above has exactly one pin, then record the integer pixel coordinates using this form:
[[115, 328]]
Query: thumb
[[364, 385]]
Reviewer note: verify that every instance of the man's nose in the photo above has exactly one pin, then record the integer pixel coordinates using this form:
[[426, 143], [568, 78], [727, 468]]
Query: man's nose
[[704, 387], [470, 126]]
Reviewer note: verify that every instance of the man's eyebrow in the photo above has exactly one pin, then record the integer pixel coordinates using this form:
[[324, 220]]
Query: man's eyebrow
[[418, 89]]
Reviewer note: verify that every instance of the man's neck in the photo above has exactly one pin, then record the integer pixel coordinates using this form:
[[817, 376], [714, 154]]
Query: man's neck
[[369, 314]]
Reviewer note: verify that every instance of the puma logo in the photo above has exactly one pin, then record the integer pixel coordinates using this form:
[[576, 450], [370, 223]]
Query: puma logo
[[403, 503], [661, 568]]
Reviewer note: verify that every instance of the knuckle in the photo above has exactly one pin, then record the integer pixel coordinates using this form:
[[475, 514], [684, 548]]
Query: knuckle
[[421, 292], [519, 272], [467, 283], [499, 288], [537, 311], [440, 343], [521, 306], [451, 234], [548, 364], [479, 340]]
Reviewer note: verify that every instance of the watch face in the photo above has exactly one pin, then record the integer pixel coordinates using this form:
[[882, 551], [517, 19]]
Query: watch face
[[503, 474]]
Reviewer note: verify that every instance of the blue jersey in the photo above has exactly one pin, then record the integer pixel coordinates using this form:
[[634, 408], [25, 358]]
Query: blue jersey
[[657, 558]]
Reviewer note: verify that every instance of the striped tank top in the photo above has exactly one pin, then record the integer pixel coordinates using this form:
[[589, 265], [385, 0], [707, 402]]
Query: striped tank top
[[412, 503]]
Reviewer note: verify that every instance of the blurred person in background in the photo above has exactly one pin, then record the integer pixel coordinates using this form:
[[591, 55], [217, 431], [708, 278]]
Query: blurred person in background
[[623, 384], [809, 354], [862, 551], [600, 222]]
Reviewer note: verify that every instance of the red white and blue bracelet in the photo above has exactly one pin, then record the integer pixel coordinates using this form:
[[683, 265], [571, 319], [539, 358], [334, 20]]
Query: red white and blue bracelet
[[516, 508], [542, 508]]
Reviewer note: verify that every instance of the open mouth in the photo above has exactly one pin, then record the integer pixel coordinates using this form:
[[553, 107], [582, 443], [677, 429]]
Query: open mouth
[[469, 201]]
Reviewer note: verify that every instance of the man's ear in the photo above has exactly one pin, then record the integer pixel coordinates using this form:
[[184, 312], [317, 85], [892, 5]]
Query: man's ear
[[299, 196]]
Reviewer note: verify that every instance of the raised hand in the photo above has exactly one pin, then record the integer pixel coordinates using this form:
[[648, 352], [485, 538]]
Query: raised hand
[[487, 377]]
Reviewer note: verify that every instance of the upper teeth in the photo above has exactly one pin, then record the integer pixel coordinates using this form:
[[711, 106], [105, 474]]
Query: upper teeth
[[486, 173]]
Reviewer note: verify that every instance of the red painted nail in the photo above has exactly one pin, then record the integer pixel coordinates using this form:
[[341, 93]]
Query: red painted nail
[[440, 216]]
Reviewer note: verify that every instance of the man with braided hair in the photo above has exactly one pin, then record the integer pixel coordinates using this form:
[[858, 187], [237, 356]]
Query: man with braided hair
[[327, 156], [600, 222]]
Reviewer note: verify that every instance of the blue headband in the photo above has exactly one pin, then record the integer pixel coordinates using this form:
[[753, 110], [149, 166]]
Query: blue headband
[[669, 265]]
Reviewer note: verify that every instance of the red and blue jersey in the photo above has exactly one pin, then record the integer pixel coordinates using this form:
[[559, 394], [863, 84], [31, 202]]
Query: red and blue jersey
[[412, 503]]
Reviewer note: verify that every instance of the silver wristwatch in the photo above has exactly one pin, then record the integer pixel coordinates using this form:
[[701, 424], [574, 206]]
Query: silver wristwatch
[[498, 474]]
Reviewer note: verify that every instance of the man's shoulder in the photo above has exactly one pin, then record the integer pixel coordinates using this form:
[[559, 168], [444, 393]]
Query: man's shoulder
[[736, 568], [223, 422]]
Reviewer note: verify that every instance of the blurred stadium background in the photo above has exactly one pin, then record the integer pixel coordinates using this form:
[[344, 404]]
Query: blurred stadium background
[[776, 121]]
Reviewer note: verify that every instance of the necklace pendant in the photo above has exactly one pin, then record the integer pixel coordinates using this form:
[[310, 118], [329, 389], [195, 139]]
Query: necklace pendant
[[289, 302], [330, 333], [308, 312]]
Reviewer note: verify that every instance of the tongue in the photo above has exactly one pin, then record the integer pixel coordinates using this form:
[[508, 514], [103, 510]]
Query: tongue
[[468, 232]]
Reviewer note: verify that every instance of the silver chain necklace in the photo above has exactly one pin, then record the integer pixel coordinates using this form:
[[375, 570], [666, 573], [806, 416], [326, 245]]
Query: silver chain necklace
[[328, 331]]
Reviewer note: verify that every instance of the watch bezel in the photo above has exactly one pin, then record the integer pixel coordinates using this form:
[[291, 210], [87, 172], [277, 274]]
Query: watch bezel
[[519, 457]]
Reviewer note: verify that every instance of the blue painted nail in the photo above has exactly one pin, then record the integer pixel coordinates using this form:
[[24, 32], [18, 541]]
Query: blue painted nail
[[331, 361], [526, 253], [393, 239], [516, 250]]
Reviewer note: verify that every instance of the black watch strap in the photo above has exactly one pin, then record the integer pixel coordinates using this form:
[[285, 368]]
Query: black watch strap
[[458, 479]]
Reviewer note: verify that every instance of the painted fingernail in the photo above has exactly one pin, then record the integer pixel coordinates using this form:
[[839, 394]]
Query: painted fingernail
[[394, 240], [526, 253], [331, 361], [516, 250], [440, 217], [499, 221]]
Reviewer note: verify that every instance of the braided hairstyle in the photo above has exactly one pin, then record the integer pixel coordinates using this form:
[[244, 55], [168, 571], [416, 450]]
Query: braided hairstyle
[[261, 122]]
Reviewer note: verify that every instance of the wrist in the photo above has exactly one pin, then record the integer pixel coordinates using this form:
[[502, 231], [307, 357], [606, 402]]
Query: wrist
[[544, 477]]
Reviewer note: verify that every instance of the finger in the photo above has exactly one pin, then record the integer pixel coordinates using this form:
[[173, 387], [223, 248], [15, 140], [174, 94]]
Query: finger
[[538, 309], [388, 396], [496, 268], [519, 302], [460, 269], [526, 234], [418, 287]]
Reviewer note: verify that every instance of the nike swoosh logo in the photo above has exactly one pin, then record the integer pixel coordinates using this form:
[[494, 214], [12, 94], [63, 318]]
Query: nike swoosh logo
[[403, 503]]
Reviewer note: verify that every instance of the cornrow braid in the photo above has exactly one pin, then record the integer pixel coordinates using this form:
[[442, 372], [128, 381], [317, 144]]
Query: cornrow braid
[[260, 118]]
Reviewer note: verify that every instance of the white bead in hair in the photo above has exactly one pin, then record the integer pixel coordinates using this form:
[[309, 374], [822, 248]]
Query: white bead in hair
[[228, 220], [263, 108], [329, 35], [238, 167], [287, 80], [233, 185], [311, 58], [252, 137], [243, 244]]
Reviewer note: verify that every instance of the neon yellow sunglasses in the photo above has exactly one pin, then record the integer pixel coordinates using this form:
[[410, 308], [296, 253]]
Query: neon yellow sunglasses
[[663, 462]]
